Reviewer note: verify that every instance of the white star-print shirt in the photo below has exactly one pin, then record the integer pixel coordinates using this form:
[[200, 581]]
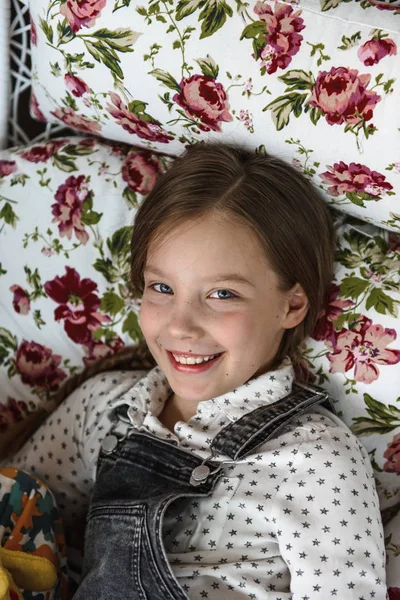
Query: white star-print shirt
[[297, 520]]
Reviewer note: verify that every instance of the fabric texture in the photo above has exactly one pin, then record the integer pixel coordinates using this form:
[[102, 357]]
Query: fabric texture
[[166, 75], [210, 544]]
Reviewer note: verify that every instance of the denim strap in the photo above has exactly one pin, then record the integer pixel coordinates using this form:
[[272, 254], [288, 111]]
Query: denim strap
[[241, 437]]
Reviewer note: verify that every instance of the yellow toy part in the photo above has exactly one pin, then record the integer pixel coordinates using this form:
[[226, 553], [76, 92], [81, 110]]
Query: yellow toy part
[[21, 570], [8, 589]]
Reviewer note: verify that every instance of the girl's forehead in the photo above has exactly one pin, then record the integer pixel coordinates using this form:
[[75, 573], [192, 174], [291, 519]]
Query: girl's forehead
[[218, 226], [209, 245]]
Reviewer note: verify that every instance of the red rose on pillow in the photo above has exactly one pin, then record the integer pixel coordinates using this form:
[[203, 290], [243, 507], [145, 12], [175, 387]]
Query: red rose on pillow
[[82, 13], [374, 50], [202, 97], [140, 170], [342, 95], [38, 366]]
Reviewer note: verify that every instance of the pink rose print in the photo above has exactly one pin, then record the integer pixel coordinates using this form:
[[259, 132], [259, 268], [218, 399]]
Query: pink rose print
[[38, 366], [76, 85], [67, 210], [374, 50], [325, 326], [342, 95], [43, 152], [76, 121], [78, 305], [282, 34], [133, 124], [96, 350], [33, 32], [394, 593], [392, 453], [21, 301], [36, 112], [11, 412], [354, 177], [82, 13], [7, 167], [140, 170], [202, 97], [363, 347]]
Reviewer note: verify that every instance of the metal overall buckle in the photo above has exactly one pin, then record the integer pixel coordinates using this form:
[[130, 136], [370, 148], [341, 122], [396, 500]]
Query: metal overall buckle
[[200, 474]]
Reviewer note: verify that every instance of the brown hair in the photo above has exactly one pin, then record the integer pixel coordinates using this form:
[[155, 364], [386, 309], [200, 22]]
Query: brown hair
[[262, 192]]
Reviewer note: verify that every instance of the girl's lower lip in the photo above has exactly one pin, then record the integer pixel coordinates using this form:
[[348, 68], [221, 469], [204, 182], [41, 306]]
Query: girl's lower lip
[[200, 368]]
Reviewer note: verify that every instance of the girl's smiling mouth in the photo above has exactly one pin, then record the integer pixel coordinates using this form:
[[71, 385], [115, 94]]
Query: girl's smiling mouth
[[193, 364]]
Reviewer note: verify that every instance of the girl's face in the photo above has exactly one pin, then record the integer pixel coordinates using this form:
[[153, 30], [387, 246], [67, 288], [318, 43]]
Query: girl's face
[[210, 290]]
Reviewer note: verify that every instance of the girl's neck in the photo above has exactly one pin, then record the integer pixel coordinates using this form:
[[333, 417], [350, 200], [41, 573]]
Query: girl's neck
[[175, 409]]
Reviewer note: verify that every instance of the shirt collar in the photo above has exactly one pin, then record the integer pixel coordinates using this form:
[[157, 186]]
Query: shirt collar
[[150, 393]]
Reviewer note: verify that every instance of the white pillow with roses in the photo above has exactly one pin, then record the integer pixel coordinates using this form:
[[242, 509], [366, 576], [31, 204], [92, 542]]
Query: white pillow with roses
[[165, 75]]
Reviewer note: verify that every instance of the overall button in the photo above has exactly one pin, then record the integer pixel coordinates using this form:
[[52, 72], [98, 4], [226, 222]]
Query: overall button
[[109, 444], [199, 475]]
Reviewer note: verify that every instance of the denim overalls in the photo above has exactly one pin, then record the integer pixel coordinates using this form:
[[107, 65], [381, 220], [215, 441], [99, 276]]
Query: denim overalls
[[139, 476]]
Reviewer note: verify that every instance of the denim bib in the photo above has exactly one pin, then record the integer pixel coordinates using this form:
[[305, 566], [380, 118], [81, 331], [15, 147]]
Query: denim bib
[[138, 478]]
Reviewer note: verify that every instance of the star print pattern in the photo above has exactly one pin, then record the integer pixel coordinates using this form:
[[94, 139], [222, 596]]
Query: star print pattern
[[296, 520]]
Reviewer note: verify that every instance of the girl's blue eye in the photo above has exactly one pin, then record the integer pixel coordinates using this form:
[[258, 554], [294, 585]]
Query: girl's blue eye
[[222, 294], [165, 289], [162, 288]]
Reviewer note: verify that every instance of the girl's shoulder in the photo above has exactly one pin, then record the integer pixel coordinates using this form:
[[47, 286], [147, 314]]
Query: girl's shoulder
[[110, 383]]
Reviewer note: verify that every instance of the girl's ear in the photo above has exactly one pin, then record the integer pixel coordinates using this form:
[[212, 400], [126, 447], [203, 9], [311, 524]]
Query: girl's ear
[[296, 307]]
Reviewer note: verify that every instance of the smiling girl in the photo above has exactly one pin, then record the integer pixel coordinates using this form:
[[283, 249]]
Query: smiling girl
[[215, 474]]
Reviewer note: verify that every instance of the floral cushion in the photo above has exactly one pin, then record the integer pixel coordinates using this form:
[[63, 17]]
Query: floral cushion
[[164, 75]]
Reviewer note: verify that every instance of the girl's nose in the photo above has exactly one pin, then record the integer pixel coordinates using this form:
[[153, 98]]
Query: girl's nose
[[184, 321]]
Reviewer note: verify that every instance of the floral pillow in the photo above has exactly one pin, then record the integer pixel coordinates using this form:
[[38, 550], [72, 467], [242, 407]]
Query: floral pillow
[[164, 75], [67, 208]]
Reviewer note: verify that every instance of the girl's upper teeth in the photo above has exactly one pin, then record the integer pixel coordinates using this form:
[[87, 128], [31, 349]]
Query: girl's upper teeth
[[191, 360]]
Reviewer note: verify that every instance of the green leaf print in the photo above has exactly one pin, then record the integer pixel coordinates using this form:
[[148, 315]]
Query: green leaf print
[[383, 418], [297, 79], [64, 163], [106, 268], [65, 33], [8, 344], [213, 16], [47, 30], [282, 106], [111, 303], [253, 30], [328, 4], [118, 39], [187, 7], [8, 215], [352, 287], [130, 197], [105, 55], [208, 66], [349, 42], [166, 79], [131, 326], [382, 303], [119, 243], [89, 216]]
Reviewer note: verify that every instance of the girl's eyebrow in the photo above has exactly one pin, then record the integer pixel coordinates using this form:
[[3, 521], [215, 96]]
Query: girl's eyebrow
[[232, 277]]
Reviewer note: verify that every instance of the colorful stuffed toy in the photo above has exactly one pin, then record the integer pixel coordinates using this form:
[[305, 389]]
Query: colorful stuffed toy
[[32, 546]]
